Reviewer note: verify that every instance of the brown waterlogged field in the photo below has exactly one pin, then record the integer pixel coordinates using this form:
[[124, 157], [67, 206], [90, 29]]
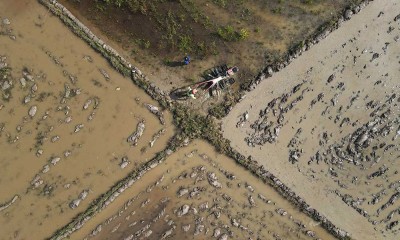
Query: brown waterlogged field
[[199, 194], [65, 117], [65, 120], [328, 125]]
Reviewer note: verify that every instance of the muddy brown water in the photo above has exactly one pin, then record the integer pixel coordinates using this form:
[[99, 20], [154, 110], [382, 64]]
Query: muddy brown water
[[151, 209], [90, 143], [347, 81]]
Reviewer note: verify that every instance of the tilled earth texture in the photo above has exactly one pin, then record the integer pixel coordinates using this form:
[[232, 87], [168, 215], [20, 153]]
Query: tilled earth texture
[[70, 126], [199, 194], [328, 125]]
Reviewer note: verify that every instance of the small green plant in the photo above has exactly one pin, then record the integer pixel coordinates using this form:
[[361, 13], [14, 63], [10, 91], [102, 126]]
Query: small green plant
[[201, 48], [185, 43], [246, 14], [277, 10], [214, 49], [142, 43], [101, 7], [308, 1], [146, 44], [228, 33], [182, 17], [243, 34], [218, 111], [221, 3]]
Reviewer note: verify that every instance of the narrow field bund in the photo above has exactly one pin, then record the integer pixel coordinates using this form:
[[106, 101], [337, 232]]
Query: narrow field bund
[[186, 117]]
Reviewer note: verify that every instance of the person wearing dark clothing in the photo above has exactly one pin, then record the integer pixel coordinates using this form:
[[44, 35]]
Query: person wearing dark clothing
[[186, 60]]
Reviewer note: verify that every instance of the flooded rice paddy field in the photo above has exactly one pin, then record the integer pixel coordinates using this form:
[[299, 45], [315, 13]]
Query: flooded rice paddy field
[[248, 34], [199, 194], [70, 126], [328, 125]]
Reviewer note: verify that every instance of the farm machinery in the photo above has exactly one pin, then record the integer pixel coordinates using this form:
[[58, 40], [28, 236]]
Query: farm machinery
[[216, 79]]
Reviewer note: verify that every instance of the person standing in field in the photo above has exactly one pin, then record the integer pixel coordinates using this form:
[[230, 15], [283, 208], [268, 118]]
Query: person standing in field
[[186, 60]]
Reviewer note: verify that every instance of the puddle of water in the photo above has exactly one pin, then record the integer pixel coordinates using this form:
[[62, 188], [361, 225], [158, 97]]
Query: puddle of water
[[182, 182], [61, 74]]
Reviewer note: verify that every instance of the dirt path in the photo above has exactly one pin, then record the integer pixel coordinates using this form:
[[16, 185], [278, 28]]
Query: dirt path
[[324, 101]]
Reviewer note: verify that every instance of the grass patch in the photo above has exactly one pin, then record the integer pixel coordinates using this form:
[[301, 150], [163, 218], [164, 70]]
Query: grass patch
[[142, 43], [228, 33], [185, 43], [277, 10]]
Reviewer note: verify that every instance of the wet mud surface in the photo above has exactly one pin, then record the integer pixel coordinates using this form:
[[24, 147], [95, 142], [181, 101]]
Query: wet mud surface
[[330, 121], [328, 126], [70, 125], [198, 194]]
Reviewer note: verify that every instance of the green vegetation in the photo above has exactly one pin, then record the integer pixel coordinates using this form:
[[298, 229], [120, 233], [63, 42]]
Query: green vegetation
[[225, 3], [170, 25], [221, 3], [277, 10], [307, 1], [143, 43], [192, 124], [228, 33], [185, 43], [220, 110]]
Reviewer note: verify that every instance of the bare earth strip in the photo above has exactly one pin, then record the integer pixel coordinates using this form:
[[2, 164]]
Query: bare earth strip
[[328, 125]]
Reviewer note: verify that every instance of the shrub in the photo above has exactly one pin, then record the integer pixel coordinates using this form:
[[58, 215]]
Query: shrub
[[185, 43], [243, 34], [228, 33]]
